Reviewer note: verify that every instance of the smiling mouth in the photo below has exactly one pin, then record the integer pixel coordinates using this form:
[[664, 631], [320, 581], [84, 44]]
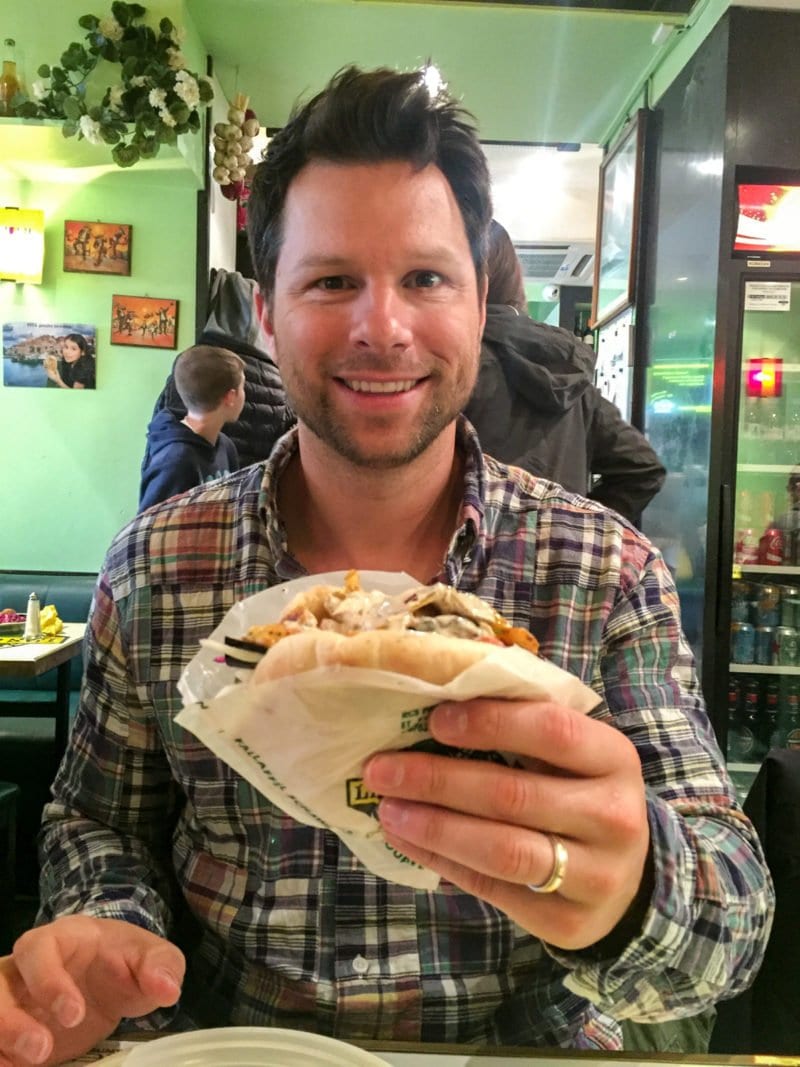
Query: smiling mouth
[[359, 386]]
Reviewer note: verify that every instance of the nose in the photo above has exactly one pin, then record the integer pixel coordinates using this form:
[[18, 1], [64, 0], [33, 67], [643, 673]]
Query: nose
[[381, 320]]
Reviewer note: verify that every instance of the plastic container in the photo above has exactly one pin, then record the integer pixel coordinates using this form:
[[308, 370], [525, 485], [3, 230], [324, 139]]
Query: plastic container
[[249, 1046]]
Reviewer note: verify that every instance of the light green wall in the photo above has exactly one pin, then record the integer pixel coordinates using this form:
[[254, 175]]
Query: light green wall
[[70, 460]]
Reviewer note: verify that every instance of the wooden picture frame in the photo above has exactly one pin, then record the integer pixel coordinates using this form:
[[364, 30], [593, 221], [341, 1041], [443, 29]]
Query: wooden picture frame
[[144, 321], [97, 247], [618, 223]]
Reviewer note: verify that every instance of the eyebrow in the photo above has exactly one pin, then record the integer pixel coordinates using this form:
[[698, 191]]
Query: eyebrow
[[335, 262]]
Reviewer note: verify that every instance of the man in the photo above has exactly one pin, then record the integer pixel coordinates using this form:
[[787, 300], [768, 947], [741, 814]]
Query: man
[[535, 404], [184, 452], [613, 875]]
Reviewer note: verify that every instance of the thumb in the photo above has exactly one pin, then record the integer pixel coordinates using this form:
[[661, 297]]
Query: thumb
[[159, 972]]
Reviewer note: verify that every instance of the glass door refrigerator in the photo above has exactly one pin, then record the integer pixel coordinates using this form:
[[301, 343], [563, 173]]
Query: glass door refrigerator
[[755, 699]]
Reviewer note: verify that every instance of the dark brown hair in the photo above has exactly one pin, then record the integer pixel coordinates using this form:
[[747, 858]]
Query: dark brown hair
[[505, 271], [370, 117], [204, 374]]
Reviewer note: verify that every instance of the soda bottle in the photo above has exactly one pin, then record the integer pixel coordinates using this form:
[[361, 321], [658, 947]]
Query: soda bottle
[[9, 78], [769, 734], [735, 740], [752, 749], [792, 721]]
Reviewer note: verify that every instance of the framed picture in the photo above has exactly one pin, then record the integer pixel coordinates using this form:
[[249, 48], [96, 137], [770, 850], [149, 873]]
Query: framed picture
[[97, 247], [50, 355], [618, 220], [146, 321]]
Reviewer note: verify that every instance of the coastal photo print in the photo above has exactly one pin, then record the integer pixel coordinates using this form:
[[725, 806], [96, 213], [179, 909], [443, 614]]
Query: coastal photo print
[[53, 356], [97, 247], [146, 321]]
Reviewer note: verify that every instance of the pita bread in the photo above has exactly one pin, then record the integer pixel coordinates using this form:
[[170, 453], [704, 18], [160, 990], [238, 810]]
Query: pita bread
[[433, 658]]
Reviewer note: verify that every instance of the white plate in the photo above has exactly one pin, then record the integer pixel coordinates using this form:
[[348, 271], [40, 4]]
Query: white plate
[[249, 1046]]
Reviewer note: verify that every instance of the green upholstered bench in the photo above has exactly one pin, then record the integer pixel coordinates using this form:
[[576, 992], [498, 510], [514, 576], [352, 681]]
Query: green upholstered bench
[[9, 794]]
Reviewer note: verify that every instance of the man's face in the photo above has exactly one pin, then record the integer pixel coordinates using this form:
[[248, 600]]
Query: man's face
[[375, 319]]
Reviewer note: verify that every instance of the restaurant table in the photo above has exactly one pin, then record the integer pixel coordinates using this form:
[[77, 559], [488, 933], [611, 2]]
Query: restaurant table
[[33, 658], [408, 1054]]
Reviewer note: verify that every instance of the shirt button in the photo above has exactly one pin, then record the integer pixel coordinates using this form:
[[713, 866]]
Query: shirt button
[[360, 965]]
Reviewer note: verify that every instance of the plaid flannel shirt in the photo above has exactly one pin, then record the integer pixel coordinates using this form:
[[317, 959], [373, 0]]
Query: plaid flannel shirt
[[294, 932]]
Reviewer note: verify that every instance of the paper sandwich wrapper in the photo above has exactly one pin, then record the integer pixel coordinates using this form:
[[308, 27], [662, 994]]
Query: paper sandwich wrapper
[[302, 741]]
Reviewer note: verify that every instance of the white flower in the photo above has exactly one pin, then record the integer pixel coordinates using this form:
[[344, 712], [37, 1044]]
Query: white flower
[[175, 59], [110, 28], [138, 81], [178, 34], [115, 97], [157, 97], [90, 129], [40, 89], [166, 117], [187, 89]]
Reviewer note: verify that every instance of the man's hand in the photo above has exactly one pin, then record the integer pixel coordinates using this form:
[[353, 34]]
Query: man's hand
[[66, 986], [485, 827]]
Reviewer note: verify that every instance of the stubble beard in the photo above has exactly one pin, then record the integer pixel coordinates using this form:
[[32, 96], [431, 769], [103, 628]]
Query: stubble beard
[[318, 414]]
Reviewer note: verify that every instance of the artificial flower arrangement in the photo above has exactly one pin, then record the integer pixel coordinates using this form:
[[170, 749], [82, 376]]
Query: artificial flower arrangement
[[154, 101]]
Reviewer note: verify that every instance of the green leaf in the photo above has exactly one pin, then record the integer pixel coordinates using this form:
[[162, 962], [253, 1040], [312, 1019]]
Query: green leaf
[[109, 134], [169, 135], [108, 50], [136, 11], [206, 91], [121, 12], [95, 113], [28, 110], [129, 67], [43, 71], [166, 27], [179, 111], [149, 147], [89, 22], [72, 108], [69, 129], [125, 155]]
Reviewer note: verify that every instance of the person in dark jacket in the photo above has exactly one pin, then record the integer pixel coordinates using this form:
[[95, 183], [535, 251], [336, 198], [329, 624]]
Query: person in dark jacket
[[183, 453], [535, 403], [233, 323]]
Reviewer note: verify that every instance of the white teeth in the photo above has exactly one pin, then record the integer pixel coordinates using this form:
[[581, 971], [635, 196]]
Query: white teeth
[[380, 387]]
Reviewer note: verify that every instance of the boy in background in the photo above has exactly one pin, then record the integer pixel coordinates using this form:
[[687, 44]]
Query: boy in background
[[183, 453]]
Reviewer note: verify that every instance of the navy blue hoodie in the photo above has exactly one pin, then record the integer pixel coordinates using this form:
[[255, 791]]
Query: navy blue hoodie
[[177, 459]]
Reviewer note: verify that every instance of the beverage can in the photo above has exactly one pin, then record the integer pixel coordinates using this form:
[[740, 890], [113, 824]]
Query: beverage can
[[740, 601], [768, 598], [765, 637], [785, 646], [790, 610], [770, 547], [745, 546], [743, 642]]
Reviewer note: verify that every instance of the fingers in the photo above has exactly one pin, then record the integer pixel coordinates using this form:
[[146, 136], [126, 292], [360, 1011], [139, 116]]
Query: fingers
[[520, 856], [70, 982], [545, 731]]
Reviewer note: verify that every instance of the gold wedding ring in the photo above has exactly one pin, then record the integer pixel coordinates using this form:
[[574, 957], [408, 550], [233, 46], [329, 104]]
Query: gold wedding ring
[[560, 856]]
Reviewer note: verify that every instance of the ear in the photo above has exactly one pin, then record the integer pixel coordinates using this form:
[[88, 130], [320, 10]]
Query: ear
[[483, 289], [263, 314]]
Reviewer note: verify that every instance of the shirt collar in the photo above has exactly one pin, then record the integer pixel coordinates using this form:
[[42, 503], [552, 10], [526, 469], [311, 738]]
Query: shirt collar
[[465, 537]]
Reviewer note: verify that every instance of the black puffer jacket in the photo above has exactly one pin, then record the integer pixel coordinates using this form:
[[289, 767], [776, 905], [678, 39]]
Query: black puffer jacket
[[232, 323], [535, 405]]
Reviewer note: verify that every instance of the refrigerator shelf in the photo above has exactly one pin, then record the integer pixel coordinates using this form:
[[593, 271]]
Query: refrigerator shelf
[[764, 468], [762, 668], [763, 568]]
